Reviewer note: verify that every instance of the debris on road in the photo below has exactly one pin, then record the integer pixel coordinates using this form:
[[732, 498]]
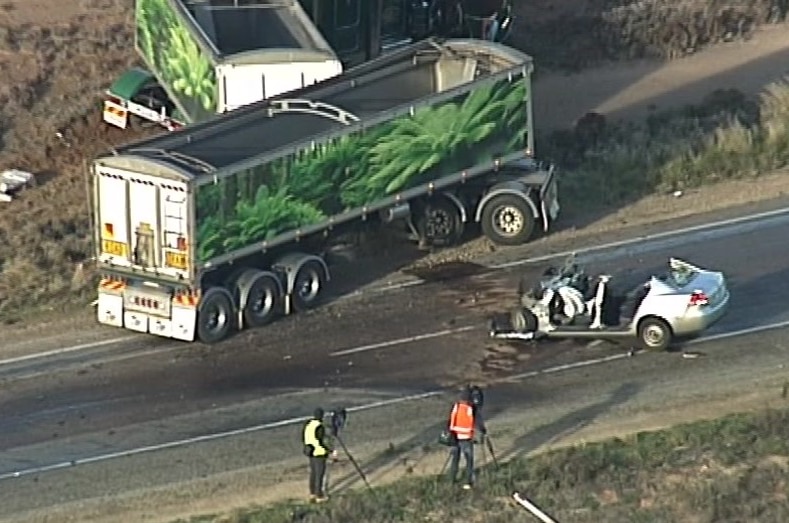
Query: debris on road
[[12, 181]]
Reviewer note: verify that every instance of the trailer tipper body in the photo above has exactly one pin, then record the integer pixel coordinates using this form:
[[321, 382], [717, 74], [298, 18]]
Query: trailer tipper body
[[211, 56], [220, 226]]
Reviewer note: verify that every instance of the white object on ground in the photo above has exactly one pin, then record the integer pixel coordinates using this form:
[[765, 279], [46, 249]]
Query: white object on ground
[[12, 181], [531, 507]]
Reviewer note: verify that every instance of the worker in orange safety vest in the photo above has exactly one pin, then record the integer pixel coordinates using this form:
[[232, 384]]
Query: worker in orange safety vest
[[464, 420]]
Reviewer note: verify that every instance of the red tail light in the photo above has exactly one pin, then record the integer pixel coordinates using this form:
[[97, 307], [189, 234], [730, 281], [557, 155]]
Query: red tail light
[[699, 298]]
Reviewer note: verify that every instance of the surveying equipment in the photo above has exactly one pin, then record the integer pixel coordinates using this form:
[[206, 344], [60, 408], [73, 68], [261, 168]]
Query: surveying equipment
[[339, 418], [489, 445], [477, 396]]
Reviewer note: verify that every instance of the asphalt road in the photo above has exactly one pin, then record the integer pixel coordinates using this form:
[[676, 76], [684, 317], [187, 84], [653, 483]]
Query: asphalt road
[[93, 430]]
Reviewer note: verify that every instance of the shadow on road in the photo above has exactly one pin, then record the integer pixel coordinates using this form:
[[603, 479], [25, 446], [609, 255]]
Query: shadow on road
[[569, 423], [407, 454]]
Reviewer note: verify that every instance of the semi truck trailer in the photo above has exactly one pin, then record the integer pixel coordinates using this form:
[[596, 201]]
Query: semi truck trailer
[[222, 225], [204, 57], [208, 57]]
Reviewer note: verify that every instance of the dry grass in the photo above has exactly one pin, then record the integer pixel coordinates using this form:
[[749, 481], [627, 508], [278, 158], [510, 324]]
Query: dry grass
[[55, 78], [725, 137], [731, 469], [564, 34]]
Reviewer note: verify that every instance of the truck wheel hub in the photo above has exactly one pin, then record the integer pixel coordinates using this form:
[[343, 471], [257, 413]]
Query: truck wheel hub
[[216, 319], [438, 224], [508, 220], [310, 286], [263, 303]]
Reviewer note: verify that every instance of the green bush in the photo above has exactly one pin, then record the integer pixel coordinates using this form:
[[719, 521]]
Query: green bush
[[725, 137]]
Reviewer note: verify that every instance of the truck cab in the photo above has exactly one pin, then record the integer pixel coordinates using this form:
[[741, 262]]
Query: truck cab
[[138, 92]]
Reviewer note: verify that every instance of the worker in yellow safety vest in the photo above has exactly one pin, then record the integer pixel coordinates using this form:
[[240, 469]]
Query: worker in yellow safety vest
[[318, 451]]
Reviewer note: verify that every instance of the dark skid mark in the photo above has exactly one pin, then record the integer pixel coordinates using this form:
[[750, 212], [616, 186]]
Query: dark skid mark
[[447, 271]]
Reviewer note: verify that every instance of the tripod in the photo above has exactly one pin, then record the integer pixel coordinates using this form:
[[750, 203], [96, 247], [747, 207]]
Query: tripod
[[339, 418], [489, 444], [354, 462]]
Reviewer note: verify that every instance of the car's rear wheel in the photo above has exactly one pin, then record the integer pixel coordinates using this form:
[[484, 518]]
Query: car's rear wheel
[[654, 334]]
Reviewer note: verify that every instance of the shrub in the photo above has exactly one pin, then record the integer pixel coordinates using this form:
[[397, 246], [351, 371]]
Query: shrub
[[628, 29], [727, 136]]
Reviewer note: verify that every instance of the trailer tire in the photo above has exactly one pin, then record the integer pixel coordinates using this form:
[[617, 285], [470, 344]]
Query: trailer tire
[[523, 320], [215, 316], [308, 286], [440, 222], [264, 301], [507, 220], [654, 334]]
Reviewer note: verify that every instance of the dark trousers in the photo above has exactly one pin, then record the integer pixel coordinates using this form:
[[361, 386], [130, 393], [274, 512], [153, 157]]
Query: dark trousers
[[465, 447], [317, 474]]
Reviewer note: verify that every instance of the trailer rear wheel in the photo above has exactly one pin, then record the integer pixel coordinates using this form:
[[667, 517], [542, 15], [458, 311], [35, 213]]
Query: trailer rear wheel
[[215, 316], [440, 222], [308, 286], [507, 220], [263, 301]]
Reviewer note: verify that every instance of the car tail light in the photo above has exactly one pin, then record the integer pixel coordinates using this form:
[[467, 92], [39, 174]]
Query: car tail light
[[699, 298]]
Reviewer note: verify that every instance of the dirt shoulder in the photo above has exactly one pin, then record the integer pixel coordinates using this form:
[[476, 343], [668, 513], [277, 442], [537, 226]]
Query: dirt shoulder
[[632, 91]]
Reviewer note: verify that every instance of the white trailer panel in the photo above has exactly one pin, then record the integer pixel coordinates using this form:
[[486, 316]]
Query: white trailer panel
[[143, 222], [245, 84]]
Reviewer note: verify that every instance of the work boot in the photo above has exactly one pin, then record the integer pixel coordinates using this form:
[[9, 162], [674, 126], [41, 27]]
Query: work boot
[[322, 499], [467, 486]]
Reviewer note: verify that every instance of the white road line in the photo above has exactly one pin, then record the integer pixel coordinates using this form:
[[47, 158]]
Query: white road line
[[568, 366], [115, 358], [359, 408], [206, 437], [701, 228], [419, 281], [403, 341], [741, 332], [721, 224], [66, 350]]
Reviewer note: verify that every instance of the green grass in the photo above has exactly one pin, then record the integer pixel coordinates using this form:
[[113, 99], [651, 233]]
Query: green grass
[[729, 469], [725, 137]]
